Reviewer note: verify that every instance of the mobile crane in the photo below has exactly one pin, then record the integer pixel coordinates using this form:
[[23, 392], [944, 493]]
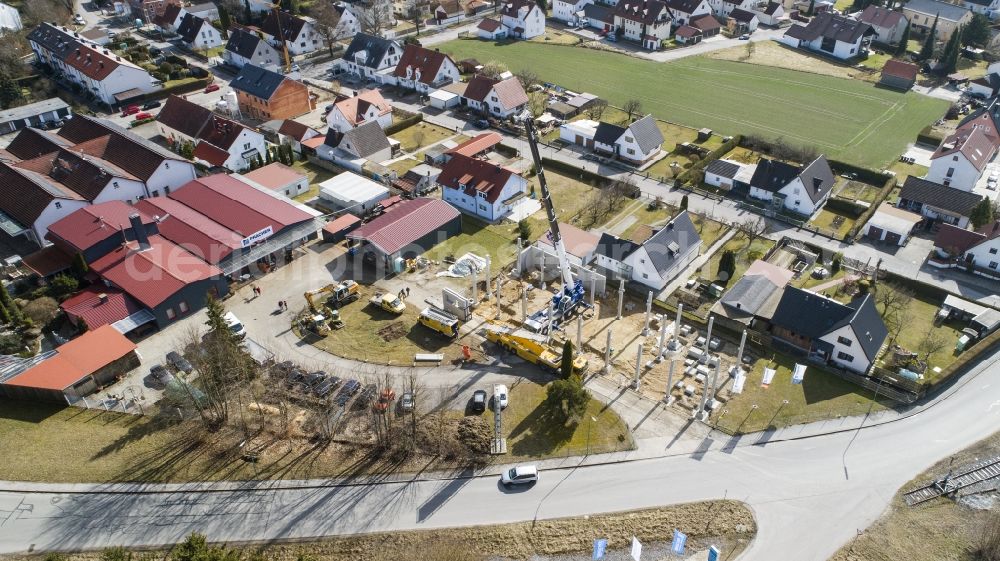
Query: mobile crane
[[570, 295]]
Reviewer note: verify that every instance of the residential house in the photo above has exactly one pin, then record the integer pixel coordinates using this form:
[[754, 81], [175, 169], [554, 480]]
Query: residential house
[[769, 13], [498, 98], [298, 33], [636, 144], [450, 11], [600, 16], [569, 11], [754, 298], [722, 8], [207, 11], [198, 34], [646, 22], [730, 175], [279, 178], [683, 11], [364, 107], [523, 19], [985, 87], [10, 18], [295, 133], [367, 55], [985, 7], [217, 141], [961, 159], [348, 23], [38, 114], [490, 29], [742, 21], [102, 74], [833, 35], [246, 47], [417, 182], [887, 24], [656, 261], [899, 75], [848, 336], [264, 94], [580, 245], [170, 18], [424, 70], [891, 225], [687, 35], [480, 187], [147, 10], [923, 13], [800, 190], [352, 149], [978, 249], [938, 202]]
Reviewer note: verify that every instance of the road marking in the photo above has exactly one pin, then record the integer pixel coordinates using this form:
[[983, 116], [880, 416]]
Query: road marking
[[994, 404]]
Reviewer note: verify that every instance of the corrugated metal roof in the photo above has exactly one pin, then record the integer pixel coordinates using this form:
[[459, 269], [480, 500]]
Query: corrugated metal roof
[[96, 311], [75, 360], [191, 229], [93, 224], [408, 222], [238, 206]]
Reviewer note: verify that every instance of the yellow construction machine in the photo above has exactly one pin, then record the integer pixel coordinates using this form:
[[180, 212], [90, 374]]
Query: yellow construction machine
[[340, 294], [531, 347]]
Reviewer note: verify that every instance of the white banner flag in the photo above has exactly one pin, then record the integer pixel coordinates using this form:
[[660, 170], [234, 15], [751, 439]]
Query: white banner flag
[[636, 548], [799, 373], [768, 376], [738, 382]]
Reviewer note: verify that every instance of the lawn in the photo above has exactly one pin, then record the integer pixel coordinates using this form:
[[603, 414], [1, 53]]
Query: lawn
[[710, 230], [555, 37], [857, 191], [919, 323], [404, 165], [421, 135], [533, 433], [832, 223], [907, 170], [569, 196], [845, 119], [316, 176], [744, 257], [806, 280], [495, 240], [819, 396]]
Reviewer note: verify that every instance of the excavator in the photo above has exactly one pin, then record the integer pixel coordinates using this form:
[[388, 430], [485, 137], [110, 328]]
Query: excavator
[[340, 294]]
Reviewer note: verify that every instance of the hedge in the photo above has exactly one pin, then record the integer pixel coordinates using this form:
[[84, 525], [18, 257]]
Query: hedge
[[710, 157], [197, 84], [403, 124], [844, 206], [969, 358], [864, 175], [887, 188], [555, 165], [926, 136]]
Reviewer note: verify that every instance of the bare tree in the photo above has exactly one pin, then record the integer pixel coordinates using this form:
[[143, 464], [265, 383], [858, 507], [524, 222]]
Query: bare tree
[[892, 298], [931, 343], [752, 228], [986, 543], [493, 69], [375, 17], [897, 322], [328, 23], [632, 107], [416, 13], [418, 139], [527, 77], [595, 110], [537, 102]]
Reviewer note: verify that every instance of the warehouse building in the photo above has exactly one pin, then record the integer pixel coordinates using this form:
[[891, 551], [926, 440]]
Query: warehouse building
[[409, 229]]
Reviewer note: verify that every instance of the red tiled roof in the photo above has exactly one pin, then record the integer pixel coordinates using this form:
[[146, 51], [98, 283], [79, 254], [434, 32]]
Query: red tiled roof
[[900, 69], [274, 175], [705, 22], [92, 63], [76, 360], [408, 222], [238, 206], [95, 311], [153, 275], [974, 143], [478, 88], [958, 240], [354, 108], [314, 142], [345, 222], [489, 25], [210, 153], [191, 229], [475, 175], [95, 223], [511, 93], [294, 129], [480, 143], [416, 58], [687, 32], [48, 261]]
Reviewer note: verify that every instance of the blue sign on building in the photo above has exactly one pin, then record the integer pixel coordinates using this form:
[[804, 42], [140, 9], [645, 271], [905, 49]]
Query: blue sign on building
[[680, 539], [600, 546]]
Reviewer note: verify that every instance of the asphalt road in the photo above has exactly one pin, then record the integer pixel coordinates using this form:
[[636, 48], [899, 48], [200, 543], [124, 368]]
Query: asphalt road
[[810, 496]]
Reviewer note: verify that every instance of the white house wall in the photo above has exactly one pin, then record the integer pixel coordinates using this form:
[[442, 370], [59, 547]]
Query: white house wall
[[121, 189], [170, 174], [55, 211], [964, 176], [859, 362]]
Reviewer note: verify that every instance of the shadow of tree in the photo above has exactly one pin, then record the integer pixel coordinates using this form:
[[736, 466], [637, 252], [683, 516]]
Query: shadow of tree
[[541, 432]]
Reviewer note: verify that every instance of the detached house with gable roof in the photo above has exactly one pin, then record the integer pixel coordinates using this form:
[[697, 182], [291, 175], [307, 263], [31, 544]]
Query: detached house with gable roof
[[848, 336], [647, 22], [522, 18], [979, 249], [424, 70], [499, 98], [265, 95], [368, 55], [299, 32], [352, 149], [480, 187], [246, 47], [217, 141], [887, 24], [833, 35], [961, 158], [656, 261], [683, 11], [171, 18], [198, 34], [352, 112], [636, 144], [801, 190], [922, 14]]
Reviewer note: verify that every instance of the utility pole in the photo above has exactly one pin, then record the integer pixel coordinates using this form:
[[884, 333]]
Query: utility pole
[[649, 309]]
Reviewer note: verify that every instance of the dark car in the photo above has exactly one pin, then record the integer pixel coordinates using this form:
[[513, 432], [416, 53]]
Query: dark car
[[479, 399], [179, 362], [324, 388], [151, 105], [345, 394], [155, 51], [159, 376], [481, 123], [314, 379], [295, 377]]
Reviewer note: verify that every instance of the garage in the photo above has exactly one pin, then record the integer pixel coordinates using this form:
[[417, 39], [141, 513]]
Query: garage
[[875, 233], [893, 238], [891, 225]]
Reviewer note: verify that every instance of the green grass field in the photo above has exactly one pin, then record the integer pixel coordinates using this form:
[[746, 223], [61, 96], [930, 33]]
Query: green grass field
[[845, 119]]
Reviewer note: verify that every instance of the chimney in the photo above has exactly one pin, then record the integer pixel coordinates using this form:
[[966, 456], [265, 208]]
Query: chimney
[[139, 231], [103, 297]]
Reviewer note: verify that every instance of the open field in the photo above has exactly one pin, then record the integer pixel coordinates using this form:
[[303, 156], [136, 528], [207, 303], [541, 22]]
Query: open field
[[833, 223], [495, 240], [819, 396], [936, 530], [727, 524], [919, 323], [906, 170], [846, 119], [774, 54], [421, 135]]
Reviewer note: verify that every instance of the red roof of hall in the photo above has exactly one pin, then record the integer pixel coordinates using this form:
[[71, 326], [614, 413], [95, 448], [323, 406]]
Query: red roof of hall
[[407, 222], [153, 275], [88, 306], [75, 360], [191, 229], [95, 223], [238, 206], [479, 143]]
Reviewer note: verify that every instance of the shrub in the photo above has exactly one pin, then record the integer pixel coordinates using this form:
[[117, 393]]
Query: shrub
[[42, 310], [10, 344], [63, 285], [567, 399], [475, 434]]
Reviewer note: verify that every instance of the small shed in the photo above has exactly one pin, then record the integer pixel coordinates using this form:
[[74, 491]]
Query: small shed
[[899, 75], [562, 110], [443, 99], [580, 132], [336, 230], [353, 193]]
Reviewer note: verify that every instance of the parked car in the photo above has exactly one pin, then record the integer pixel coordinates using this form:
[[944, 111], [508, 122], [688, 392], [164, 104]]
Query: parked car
[[350, 388], [324, 388], [212, 88], [500, 396], [519, 475], [327, 109], [159, 376], [142, 116], [406, 402], [130, 110], [179, 362], [294, 378], [384, 399], [151, 105], [155, 51], [745, 37], [481, 123], [479, 398], [314, 379], [235, 324], [78, 19]]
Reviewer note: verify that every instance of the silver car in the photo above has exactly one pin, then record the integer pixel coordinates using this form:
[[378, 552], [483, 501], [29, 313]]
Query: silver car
[[519, 475]]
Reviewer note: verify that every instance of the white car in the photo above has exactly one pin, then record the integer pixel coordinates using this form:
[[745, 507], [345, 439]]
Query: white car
[[235, 324], [519, 475], [500, 395], [78, 19]]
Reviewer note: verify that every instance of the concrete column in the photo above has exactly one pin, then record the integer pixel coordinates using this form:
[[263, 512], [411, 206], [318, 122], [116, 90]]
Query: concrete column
[[579, 332], [704, 397], [475, 288], [524, 303], [520, 255], [649, 309], [607, 354], [621, 297], [498, 297], [552, 315], [663, 337], [675, 343], [489, 279], [708, 336], [739, 355], [638, 365], [593, 288], [670, 382], [710, 388], [541, 275]]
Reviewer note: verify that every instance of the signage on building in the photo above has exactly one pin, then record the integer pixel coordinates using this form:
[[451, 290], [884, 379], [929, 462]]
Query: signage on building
[[257, 236]]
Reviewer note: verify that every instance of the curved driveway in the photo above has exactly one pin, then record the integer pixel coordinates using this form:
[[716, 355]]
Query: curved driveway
[[810, 495]]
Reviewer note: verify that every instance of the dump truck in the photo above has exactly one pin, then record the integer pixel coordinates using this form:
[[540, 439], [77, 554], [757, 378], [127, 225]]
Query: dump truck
[[340, 294], [531, 347], [439, 321], [388, 302]]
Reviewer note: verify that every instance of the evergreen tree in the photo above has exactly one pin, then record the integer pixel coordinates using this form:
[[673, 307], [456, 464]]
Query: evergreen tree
[[80, 266], [727, 265], [927, 51], [224, 21], [543, 4], [977, 31], [684, 202], [269, 156], [981, 214], [15, 312], [4, 314], [9, 90], [901, 47], [950, 58], [811, 8], [289, 155], [566, 368]]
